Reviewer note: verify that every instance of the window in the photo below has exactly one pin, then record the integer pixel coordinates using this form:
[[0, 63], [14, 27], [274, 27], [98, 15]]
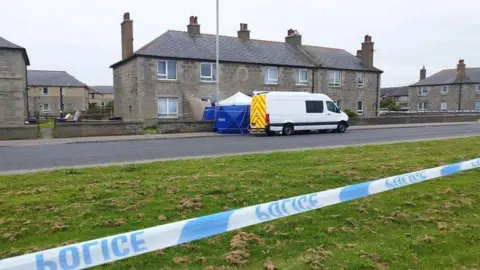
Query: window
[[271, 75], [62, 90], [360, 79], [167, 70], [167, 107], [478, 89], [443, 106], [93, 95], [360, 107], [422, 106], [45, 91], [332, 107], [208, 72], [423, 91], [337, 102], [477, 105], [45, 108], [302, 77], [314, 106], [334, 78], [444, 90]]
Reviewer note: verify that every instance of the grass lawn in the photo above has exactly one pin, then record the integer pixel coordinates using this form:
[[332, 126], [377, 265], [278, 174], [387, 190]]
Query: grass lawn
[[431, 225], [150, 130], [46, 123]]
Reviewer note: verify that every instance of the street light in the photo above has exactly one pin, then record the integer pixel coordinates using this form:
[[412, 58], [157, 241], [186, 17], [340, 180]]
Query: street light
[[217, 65]]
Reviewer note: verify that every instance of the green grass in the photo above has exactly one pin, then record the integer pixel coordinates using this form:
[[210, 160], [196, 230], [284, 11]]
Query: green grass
[[431, 225], [150, 130], [46, 123]]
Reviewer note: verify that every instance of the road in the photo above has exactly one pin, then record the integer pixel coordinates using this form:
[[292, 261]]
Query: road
[[16, 159]]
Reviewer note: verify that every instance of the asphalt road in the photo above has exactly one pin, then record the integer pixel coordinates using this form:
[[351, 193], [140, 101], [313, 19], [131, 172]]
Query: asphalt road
[[80, 154]]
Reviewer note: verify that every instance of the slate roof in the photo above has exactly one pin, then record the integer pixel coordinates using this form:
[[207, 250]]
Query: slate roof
[[52, 78], [394, 91], [449, 76], [101, 89], [181, 45], [5, 44]]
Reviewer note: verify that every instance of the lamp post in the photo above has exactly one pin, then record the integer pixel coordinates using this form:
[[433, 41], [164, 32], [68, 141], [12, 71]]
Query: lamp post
[[217, 69]]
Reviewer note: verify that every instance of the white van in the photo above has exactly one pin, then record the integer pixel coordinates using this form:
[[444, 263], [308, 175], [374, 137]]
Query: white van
[[287, 112]]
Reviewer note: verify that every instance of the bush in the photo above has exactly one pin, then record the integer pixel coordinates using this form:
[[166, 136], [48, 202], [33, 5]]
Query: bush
[[350, 113]]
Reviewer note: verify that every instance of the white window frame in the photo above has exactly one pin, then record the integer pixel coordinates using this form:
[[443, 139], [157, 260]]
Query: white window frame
[[212, 75], [422, 92], [360, 85], [363, 107], [298, 80], [168, 114], [337, 102], [423, 107], [478, 89], [43, 91], [337, 79], [268, 79], [48, 108], [164, 76], [446, 106], [443, 91]]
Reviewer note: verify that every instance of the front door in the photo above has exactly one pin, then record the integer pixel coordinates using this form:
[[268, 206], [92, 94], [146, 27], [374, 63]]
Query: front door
[[332, 115]]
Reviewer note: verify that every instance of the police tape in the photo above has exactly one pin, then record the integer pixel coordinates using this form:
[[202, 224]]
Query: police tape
[[104, 250]]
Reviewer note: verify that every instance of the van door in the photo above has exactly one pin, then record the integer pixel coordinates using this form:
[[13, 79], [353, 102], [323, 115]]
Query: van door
[[332, 116]]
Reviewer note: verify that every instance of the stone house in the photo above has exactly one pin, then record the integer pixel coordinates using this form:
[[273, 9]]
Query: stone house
[[55, 92], [397, 94], [447, 90], [100, 95], [13, 84], [154, 81]]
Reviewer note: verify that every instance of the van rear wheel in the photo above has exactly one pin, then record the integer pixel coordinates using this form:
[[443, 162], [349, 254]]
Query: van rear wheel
[[287, 129]]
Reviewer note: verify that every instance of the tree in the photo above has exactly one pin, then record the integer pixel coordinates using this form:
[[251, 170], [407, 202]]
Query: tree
[[389, 104]]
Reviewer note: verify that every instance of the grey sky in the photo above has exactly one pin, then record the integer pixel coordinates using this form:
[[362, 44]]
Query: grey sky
[[83, 37]]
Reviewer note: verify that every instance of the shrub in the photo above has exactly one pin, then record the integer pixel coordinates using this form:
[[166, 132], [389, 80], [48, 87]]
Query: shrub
[[350, 113]]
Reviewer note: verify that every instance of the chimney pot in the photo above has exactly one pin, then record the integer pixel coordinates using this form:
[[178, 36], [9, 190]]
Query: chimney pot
[[293, 38], [423, 73], [193, 28], [367, 52], [126, 16], [461, 61], [244, 33]]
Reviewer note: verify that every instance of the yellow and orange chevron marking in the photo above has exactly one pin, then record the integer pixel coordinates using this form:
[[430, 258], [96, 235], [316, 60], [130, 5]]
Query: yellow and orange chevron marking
[[258, 111]]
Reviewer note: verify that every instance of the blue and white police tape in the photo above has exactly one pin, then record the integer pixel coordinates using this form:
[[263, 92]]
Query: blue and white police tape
[[100, 251]]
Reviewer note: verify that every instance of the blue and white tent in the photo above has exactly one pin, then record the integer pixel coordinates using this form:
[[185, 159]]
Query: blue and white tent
[[233, 114]]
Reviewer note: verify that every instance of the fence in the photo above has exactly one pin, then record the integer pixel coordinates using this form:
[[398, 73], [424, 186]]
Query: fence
[[113, 248]]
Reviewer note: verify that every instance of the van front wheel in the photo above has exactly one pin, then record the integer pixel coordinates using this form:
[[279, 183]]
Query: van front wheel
[[287, 130], [342, 127]]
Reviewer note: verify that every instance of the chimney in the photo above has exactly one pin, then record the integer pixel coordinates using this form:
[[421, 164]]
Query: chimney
[[423, 73], [367, 52], [293, 38], [193, 27], [127, 36], [244, 33], [460, 70], [359, 54]]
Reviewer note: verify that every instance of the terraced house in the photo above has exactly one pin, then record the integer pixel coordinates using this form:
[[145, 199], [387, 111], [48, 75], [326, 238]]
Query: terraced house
[[153, 81], [55, 92], [447, 90]]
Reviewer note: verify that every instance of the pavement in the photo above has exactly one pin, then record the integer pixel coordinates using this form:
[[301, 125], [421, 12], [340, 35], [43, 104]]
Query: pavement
[[48, 140], [33, 158]]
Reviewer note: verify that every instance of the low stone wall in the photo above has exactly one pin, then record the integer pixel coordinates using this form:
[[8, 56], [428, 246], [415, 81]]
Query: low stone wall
[[184, 126], [97, 128], [395, 120], [24, 132]]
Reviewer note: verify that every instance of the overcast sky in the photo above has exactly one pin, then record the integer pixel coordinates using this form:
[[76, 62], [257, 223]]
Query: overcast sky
[[83, 37]]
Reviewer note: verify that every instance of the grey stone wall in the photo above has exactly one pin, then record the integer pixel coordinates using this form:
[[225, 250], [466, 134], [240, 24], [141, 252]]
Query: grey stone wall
[[137, 87], [18, 132], [126, 90], [184, 126], [394, 120], [97, 128], [13, 109], [435, 97]]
